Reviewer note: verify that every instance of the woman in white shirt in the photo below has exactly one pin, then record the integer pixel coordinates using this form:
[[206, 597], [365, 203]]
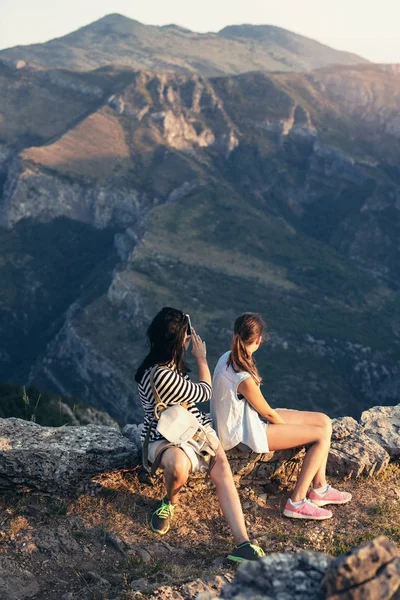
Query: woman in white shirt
[[242, 415]]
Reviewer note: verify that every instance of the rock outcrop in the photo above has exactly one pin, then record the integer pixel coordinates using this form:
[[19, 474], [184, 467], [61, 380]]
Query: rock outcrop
[[370, 572], [101, 205], [280, 576], [353, 452], [16, 583], [59, 460], [382, 424]]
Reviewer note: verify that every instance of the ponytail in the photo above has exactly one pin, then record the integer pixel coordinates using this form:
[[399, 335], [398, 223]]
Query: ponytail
[[248, 327]]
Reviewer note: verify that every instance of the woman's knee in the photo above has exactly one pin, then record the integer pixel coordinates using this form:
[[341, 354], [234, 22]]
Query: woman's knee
[[327, 425], [324, 434], [221, 467], [325, 422], [176, 466]]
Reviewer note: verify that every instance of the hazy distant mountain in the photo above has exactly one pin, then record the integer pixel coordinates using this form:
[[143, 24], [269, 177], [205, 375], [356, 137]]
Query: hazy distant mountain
[[121, 41], [124, 191]]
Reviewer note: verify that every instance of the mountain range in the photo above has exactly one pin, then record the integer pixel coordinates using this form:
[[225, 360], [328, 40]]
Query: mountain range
[[126, 189], [117, 40]]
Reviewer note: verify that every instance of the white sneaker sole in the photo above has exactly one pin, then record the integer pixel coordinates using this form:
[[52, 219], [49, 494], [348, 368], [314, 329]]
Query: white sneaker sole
[[325, 502], [293, 515]]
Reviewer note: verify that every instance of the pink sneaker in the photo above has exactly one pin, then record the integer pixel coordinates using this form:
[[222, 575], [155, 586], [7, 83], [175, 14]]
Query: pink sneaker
[[307, 510], [331, 496]]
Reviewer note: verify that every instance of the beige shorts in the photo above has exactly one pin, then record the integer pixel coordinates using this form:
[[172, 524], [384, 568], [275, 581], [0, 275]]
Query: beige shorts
[[198, 464]]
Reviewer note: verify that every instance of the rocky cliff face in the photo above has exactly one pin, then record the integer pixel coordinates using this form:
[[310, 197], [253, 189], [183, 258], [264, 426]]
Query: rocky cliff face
[[269, 192]]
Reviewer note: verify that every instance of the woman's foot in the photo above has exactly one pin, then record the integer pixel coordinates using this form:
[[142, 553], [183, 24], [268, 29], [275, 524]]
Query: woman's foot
[[305, 510], [161, 518], [329, 496], [246, 551]]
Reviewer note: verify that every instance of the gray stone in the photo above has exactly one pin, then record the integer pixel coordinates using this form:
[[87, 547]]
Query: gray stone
[[364, 564], [383, 586], [343, 427], [371, 572], [115, 541], [280, 577], [133, 433], [16, 583], [59, 460], [258, 469], [96, 578], [382, 424], [353, 453], [150, 551]]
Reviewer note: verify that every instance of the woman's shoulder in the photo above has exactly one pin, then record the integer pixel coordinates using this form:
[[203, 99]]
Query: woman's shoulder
[[157, 370], [222, 361], [224, 369]]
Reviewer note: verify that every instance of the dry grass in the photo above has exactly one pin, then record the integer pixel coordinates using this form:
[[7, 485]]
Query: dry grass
[[18, 524], [95, 147], [198, 537]]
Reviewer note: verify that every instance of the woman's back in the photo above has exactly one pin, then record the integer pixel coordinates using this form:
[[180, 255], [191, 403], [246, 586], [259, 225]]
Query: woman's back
[[172, 388], [235, 420]]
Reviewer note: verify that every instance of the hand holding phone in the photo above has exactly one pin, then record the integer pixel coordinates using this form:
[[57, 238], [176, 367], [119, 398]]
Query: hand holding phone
[[199, 349], [189, 327]]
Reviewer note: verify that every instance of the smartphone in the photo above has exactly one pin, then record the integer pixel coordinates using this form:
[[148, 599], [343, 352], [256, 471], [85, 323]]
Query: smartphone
[[189, 328]]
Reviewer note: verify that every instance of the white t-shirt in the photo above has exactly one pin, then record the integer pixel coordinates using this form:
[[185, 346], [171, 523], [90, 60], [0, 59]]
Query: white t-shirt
[[234, 419]]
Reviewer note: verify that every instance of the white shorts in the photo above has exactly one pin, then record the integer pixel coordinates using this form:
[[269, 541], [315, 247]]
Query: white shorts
[[198, 464]]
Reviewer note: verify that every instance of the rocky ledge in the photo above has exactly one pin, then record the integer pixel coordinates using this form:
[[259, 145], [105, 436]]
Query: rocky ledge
[[369, 572], [58, 460], [62, 460]]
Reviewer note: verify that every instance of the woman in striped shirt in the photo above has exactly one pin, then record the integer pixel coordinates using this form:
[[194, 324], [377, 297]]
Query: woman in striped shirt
[[168, 338]]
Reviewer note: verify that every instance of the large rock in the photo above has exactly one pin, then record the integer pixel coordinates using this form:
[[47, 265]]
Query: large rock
[[58, 460], [279, 577], [353, 453], [133, 433], [257, 469], [16, 583], [369, 572], [382, 424]]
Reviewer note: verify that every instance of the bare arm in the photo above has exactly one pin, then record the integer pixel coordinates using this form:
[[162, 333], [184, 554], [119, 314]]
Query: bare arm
[[251, 391], [199, 351]]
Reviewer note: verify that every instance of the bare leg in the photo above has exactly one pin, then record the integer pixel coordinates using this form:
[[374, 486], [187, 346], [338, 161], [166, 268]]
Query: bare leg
[[297, 417], [176, 467], [228, 497], [281, 437]]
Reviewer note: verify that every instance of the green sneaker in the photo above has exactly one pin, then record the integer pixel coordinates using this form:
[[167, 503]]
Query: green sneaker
[[161, 518], [246, 551]]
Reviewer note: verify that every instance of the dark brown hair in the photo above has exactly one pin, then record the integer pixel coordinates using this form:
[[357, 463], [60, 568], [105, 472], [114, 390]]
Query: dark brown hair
[[247, 328], [166, 334]]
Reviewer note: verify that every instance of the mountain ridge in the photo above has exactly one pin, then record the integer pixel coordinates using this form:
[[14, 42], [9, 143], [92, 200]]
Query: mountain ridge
[[174, 48]]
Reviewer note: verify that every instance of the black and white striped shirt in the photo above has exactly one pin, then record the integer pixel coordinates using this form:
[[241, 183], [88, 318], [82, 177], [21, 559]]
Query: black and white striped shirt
[[172, 388]]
